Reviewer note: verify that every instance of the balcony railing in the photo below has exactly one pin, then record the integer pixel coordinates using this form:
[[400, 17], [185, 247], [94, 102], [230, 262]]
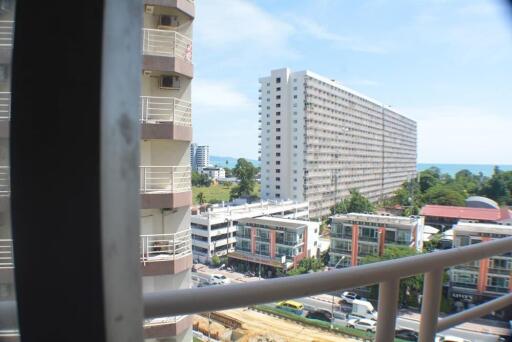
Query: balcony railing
[[5, 105], [387, 274], [6, 259], [5, 184], [167, 43], [6, 33], [162, 109], [164, 179], [159, 247]]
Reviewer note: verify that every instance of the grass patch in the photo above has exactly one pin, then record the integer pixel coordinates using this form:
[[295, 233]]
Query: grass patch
[[217, 193]]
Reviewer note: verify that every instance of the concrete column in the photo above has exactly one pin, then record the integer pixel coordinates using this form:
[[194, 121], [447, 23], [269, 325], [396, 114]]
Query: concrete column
[[432, 289], [253, 240], [388, 300], [355, 244], [272, 243]]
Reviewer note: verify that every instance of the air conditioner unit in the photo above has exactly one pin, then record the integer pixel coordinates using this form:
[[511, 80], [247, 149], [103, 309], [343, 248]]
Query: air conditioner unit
[[147, 72], [168, 21], [169, 82], [149, 9]]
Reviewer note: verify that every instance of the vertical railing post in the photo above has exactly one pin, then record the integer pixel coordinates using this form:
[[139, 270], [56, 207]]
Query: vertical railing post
[[144, 186], [432, 288], [388, 301], [173, 114]]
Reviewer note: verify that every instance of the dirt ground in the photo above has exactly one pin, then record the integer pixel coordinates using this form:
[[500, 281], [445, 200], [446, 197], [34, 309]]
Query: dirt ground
[[260, 327]]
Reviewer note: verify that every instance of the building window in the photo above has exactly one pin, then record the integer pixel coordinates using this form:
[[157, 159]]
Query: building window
[[278, 170], [278, 154], [294, 96], [278, 113], [278, 97], [278, 80], [278, 179], [278, 89], [278, 129], [278, 187], [278, 121], [278, 162], [278, 195], [278, 145], [278, 137], [278, 105]]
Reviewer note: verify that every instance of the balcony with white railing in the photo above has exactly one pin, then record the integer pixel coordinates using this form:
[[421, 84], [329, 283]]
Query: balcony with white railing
[[6, 33], [5, 185], [6, 254], [165, 118], [165, 186], [166, 43], [166, 253]]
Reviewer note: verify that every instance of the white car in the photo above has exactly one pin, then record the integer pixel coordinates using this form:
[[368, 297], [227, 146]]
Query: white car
[[363, 324], [449, 338], [218, 279], [348, 297]]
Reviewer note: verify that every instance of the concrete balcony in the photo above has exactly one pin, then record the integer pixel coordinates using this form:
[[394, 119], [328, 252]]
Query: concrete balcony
[[6, 40], [165, 118], [167, 51], [5, 113], [166, 253], [166, 326], [185, 6], [6, 254], [165, 187]]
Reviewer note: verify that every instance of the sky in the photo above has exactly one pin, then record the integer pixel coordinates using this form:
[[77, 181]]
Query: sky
[[447, 64]]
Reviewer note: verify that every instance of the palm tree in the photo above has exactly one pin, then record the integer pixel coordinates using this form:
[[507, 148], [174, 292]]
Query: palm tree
[[200, 198]]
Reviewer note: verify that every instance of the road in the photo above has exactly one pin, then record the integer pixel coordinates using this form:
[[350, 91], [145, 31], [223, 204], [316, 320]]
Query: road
[[310, 302]]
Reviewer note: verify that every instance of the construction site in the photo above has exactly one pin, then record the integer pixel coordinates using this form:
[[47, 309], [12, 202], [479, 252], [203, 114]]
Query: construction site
[[248, 325]]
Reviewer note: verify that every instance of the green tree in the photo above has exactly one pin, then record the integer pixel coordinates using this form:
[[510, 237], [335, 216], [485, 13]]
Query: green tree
[[306, 265], [444, 195], [355, 203], [499, 187], [216, 260], [200, 198], [412, 285], [199, 179], [246, 173], [429, 178]]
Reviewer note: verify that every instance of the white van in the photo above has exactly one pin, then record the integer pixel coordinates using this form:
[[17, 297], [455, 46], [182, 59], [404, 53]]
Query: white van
[[218, 279]]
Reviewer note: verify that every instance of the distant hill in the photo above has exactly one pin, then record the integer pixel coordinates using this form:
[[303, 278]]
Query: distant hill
[[221, 161]]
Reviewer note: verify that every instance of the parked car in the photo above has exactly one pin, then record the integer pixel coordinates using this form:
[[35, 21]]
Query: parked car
[[407, 335], [348, 297], [291, 306], [218, 279], [320, 315], [449, 338], [368, 325]]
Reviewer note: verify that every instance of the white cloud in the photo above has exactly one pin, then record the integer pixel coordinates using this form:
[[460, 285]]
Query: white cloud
[[453, 134], [238, 24], [317, 31], [219, 95]]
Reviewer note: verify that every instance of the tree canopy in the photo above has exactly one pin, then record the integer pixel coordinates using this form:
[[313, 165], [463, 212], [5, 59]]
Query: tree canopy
[[246, 172], [355, 203]]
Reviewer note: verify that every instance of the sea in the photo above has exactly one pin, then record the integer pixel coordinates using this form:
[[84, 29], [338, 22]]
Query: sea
[[452, 169]]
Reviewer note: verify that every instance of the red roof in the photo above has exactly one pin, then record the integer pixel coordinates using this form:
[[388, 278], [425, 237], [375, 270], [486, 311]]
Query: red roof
[[483, 214]]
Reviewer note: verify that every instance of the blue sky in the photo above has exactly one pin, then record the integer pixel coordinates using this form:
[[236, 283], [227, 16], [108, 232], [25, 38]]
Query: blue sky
[[445, 63]]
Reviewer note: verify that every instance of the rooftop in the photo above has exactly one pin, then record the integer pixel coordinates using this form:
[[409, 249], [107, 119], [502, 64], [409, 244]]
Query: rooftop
[[232, 213], [277, 222], [377, 218], [483, 228], [483, 214]]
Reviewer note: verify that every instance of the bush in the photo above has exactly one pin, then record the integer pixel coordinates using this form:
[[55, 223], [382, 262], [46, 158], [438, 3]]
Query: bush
[[215, 260]]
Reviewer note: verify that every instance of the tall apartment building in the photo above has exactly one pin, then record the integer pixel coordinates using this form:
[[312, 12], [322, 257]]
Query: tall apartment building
[[199, 156], [7, 291], [485, 279], [356, 236], [214, 231], [166, 194], [319, 139]]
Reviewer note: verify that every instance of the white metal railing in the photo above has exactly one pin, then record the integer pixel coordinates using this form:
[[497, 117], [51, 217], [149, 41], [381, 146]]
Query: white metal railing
[[157, 247], [164, 179], [5, 105], [163, 109], [6, 259], [166, 43], [6, 32], [387, 274], [5, 183]]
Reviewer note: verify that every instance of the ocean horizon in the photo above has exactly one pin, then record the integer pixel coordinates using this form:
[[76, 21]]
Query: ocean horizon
[[452, 169]]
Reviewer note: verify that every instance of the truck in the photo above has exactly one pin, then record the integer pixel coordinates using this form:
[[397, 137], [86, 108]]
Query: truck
[[363, 309]]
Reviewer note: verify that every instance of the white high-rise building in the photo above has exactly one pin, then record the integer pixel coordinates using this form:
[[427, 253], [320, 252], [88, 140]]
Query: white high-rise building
[[199, 156], [319, 139]]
